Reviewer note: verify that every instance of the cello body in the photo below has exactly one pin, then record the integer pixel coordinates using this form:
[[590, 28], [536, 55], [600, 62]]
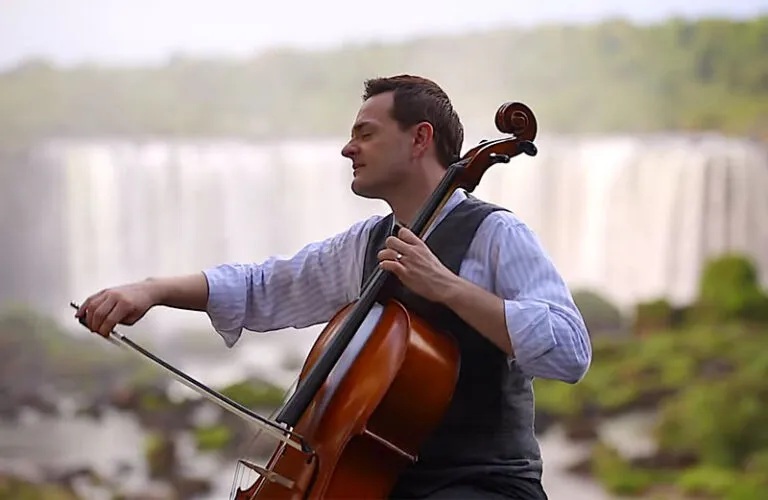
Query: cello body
[[379, 378], [373, 412]]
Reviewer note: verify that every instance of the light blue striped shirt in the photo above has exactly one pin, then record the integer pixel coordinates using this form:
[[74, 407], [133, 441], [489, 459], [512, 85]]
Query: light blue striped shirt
[[547, 331]]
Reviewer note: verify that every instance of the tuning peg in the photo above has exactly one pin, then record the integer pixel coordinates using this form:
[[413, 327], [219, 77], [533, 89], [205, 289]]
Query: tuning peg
[[528, 148], [498, 158]]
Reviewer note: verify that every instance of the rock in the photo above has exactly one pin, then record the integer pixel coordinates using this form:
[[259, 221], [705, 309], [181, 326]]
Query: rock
[[543, 421], [665, 460], [581, 429], [154, 491], [581, 467], [189, 487], [715, 369], [161, 456]]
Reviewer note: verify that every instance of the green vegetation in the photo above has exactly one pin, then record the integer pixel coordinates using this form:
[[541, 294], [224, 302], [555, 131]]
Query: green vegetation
[[610, 77], [600, 315], [255, 394], [160, 454], [213, 437], [82, 364], [12, 488], [705, 371]]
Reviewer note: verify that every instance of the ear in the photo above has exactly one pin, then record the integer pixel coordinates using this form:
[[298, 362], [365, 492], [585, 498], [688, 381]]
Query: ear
[[423, 134]]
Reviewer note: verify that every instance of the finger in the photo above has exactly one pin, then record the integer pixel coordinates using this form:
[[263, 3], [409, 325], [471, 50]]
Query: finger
[[100, 314], [88, 303], [393, 266], [398, 245], [409, 237], [388, 254], [92, 305], [118, 314]]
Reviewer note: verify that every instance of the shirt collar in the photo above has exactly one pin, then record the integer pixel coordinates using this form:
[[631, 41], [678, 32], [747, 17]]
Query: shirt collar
[[453, 201]]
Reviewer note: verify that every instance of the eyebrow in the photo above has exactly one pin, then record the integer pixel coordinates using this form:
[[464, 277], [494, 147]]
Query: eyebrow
[[360, 125]]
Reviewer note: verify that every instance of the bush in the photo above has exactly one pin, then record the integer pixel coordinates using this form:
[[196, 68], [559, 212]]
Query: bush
[[653, 316], [600, 315], [729, 290]]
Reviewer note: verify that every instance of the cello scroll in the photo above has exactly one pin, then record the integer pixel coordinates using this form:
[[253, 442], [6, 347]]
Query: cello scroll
[[512, 118]]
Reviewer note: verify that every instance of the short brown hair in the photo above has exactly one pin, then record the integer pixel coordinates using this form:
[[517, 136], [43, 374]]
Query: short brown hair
[[417, 99]]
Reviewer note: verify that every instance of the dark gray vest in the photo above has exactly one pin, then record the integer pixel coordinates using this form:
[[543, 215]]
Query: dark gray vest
[[487, 431]]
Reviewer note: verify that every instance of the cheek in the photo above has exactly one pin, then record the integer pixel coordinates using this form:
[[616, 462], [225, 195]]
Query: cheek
[[387, 156], [397, 151]]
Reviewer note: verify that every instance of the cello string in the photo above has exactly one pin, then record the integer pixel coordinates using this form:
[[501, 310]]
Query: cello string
[[240, 469]]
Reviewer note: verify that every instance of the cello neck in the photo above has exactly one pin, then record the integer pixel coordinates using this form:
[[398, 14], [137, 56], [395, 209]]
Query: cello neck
[[317, 375], [437, 199]]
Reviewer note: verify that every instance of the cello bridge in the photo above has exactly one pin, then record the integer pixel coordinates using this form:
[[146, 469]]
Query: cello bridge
[[271, 476]]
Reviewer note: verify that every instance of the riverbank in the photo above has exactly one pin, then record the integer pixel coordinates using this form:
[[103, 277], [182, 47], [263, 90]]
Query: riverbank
[[92, 459], [703, 369], [675, 409], [85, 420]]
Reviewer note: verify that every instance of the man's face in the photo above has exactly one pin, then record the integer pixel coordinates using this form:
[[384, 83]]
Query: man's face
[[380, 151]]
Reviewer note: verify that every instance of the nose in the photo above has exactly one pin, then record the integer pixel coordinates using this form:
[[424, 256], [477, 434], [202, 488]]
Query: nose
[[349, 150]]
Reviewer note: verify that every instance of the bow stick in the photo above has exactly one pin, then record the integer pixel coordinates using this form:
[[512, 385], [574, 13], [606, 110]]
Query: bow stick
[[283, 434]]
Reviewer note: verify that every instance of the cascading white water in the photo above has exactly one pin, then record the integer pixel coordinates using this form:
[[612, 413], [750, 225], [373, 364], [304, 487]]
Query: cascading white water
[[632, 217], [635, 217]]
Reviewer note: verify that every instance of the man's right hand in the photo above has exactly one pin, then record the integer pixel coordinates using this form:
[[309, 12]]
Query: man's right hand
[[124, 305]]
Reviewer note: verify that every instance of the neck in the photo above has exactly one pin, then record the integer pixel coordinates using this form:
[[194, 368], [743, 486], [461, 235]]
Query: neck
[[407, 202]]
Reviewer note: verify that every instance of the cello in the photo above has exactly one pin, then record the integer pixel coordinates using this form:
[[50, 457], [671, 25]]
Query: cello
[[350, 427]]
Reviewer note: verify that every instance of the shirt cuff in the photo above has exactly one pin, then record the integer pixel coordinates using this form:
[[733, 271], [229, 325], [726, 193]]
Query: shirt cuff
[[226, 300], [530, 331]]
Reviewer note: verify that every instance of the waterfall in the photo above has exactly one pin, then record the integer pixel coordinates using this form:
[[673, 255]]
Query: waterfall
[[631, 217]]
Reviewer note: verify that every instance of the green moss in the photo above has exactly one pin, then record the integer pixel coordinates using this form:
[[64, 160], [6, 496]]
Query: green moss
[[160, 454], [707, 480], [727, 484], [619, 477], [654, 315], [213, 437], [723, 422], [707, 374], [729, 291], [18, 489], [255, 394], [153, 401]]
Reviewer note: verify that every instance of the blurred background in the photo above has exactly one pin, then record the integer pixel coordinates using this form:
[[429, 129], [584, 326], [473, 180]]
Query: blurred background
[[144, 138]]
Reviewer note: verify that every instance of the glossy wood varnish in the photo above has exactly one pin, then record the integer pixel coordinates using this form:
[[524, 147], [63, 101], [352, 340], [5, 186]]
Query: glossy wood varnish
[[395, 390]]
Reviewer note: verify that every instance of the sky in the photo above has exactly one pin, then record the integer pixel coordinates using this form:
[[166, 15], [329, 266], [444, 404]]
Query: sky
[[149, 31]]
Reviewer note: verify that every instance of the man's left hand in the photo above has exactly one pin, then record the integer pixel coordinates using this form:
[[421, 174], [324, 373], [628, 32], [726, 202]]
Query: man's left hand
[[411, 260]]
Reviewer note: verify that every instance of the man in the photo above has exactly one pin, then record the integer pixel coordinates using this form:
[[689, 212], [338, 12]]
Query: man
[[484, 278]]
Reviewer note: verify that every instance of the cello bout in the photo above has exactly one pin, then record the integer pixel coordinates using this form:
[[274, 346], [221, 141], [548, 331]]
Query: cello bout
[[372, 414]]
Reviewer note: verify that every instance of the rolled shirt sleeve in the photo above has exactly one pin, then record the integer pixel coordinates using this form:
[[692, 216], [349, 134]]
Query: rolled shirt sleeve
[[547, 331], [284, 292]]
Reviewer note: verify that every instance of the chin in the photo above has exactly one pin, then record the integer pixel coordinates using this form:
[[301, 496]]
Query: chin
[[363, 190]]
